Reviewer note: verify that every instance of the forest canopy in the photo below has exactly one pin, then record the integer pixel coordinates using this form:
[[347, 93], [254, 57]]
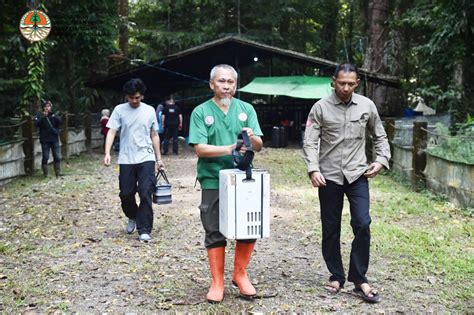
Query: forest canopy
[[427, 43]]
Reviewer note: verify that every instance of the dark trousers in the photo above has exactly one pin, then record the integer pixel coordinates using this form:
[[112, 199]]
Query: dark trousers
[[171, 132], [141, 178], [331, 199], [210, 219], [162, 137], [54, 147]]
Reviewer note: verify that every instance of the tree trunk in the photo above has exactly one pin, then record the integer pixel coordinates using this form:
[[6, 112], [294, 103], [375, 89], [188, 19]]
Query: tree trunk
[[375, 56], [123, 29], [378, 34], [468, 73], [238, 17], [69, 75], [350, 35]]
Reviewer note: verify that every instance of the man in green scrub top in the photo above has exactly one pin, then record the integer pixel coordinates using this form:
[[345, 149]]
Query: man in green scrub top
[[213, 131]]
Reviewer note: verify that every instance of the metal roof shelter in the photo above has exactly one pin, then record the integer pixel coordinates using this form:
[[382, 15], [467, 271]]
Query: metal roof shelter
[[294, 86], [190, 68]]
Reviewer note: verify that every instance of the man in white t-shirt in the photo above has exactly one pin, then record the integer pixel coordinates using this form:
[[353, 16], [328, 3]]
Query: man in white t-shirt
[[139, 156]]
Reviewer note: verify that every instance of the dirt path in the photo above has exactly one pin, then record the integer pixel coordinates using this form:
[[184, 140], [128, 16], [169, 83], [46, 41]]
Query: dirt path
[[63, 248]]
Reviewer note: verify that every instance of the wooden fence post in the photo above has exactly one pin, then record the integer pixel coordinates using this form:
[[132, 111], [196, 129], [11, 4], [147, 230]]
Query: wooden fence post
[[28, 145], [64, 136], [420, 139], [88, 131], [390, 130]]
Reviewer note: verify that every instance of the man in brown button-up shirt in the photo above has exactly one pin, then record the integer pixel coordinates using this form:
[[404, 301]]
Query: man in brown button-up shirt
[[334, 152]]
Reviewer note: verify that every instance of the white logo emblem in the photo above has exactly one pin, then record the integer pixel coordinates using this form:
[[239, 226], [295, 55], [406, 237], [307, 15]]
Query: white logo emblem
[[242, 116], [209, 120]]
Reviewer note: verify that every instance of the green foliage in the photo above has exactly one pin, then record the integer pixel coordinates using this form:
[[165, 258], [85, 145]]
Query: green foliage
[[158, 28], [33, 82], [430, 43], [458, 148], [13, 61], [89, 98], [440, 66], [84, 34]]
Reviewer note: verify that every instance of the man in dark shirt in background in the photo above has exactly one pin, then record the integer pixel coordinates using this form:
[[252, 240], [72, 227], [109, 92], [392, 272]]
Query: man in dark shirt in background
[[172, 121]]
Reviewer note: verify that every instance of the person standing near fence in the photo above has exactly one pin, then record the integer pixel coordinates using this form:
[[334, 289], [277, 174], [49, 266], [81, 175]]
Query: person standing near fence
[[139, 156], [214, 128], [172, 121], [48, 123], [334, 152]]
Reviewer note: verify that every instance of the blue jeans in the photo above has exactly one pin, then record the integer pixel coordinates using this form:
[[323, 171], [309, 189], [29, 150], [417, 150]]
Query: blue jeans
[[55, 148], [331, 199]]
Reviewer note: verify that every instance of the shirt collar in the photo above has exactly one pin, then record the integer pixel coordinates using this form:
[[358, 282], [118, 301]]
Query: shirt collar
[[338, 101]]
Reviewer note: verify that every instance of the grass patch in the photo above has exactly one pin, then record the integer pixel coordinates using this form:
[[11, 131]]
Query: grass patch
[[5, 248], [286, 167]]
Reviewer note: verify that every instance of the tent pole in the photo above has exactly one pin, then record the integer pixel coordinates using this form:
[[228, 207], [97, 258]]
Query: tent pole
[[238, 73]]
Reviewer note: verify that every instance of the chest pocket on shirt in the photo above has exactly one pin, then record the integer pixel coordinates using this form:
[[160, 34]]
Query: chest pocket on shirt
[[357, 126]]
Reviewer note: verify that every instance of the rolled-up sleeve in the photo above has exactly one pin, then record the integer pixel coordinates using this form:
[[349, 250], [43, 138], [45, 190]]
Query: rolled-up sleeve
[[311, 139], [381, 145]]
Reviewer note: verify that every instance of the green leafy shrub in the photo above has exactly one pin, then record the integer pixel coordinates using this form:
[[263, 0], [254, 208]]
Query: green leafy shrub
[[458, 147]]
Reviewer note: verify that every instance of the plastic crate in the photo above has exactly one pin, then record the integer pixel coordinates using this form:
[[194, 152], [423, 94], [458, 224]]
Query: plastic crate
[[244, 205]]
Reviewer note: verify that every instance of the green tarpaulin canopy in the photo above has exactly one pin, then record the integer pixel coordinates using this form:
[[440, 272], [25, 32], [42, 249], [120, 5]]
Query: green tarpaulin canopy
[[295, 86]]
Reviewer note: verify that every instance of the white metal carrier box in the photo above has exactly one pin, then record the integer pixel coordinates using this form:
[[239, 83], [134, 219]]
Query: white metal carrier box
[[244, 205]]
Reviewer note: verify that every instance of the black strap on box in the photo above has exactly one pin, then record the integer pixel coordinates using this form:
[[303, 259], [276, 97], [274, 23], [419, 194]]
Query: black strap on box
[[244, 162]]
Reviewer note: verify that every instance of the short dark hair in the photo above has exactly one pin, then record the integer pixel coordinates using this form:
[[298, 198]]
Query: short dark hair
[[133, 86], [44, 103], [346, 67]]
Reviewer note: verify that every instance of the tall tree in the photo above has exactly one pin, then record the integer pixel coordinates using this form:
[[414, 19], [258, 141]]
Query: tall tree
[[123, 28], [378, 14], [376, 53], [329, 28], [442, 52]]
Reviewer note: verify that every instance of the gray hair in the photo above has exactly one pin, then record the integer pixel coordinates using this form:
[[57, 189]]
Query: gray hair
[[105, 112], [222, 66]]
